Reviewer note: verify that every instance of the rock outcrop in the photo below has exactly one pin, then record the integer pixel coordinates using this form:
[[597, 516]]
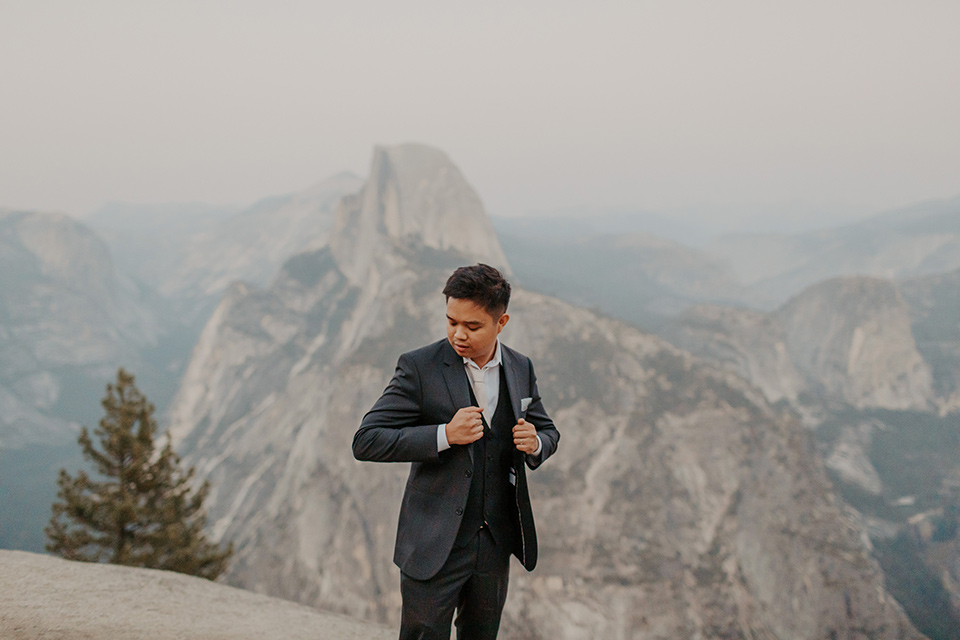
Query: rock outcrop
[[681, 504], [43, 597], [852, 337], [847, 340]]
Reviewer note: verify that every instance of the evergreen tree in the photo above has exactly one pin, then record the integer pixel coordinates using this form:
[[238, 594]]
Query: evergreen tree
[[140, 510]]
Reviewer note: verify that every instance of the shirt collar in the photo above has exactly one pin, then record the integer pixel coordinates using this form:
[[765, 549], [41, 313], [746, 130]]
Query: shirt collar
[[494, 361]]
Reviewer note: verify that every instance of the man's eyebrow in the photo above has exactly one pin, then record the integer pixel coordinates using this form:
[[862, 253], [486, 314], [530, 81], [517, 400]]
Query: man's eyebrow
[[471, 322]]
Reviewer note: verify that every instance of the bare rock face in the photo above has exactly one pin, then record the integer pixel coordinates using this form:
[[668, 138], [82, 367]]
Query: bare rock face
[[853, 336], [679, 505], [750, 343], [44, 597], [415, 197], [847, 340]]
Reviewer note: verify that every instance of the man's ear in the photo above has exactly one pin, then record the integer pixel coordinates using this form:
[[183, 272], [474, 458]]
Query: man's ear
[[502, 322]]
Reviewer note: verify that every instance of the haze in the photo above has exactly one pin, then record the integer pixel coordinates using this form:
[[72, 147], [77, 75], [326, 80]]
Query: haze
[[704, 107]]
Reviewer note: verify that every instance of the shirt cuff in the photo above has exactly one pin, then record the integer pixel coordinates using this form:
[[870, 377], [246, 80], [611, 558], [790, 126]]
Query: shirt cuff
[[442, 444], [536, 454]]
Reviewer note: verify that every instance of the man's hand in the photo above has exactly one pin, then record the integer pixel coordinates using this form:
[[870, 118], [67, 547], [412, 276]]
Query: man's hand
[[525, 437], [466, 426]]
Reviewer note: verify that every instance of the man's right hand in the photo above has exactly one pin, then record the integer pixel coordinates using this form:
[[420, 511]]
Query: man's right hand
[[466, 426]]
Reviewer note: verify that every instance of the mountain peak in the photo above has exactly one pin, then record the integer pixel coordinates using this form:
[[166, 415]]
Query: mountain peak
[[415, 195]]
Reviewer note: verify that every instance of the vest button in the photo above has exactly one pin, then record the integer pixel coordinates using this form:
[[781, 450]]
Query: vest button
[[459, 511], [468, 473]]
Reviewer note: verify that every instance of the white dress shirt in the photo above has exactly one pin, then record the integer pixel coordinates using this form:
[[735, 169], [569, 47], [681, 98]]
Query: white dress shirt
[[491, 379]]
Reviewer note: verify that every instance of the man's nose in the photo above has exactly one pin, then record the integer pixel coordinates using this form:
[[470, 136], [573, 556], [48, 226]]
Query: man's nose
[[460, 334]]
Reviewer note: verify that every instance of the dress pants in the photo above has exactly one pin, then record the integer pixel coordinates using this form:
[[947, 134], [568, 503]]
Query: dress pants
[[473, 581]]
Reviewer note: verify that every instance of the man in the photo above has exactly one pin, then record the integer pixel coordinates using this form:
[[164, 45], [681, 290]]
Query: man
[[466, 412]]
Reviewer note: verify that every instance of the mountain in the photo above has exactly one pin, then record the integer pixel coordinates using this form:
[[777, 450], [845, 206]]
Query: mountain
[[624, 265], [190, 254], [68, 320], [682, 504], [637, 277], [46, 597], [935, 309], [149, 241], [254, 243], [846, 340], [920, 240], [871, 365]]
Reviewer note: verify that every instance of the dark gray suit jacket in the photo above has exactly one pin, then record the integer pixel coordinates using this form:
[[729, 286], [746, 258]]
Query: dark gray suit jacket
[[428, 388]]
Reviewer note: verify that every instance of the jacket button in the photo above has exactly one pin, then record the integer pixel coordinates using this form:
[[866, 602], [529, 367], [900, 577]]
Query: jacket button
[[468, 473], [459, 511]]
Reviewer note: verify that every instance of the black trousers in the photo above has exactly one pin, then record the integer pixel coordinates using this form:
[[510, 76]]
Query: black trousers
[[473, 581]]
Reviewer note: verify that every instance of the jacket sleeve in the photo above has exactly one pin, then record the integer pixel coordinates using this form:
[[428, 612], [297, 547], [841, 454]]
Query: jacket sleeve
[[537, 415], [391, 431]]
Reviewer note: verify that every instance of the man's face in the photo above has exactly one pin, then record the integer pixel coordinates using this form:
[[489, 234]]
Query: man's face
[[472, 331]]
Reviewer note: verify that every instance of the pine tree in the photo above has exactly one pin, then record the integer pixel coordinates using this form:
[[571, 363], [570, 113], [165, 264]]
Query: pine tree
[[140, 510]]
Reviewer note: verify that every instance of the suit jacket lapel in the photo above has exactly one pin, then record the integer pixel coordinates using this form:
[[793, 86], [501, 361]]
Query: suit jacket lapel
[[456, 379], [510, 371]]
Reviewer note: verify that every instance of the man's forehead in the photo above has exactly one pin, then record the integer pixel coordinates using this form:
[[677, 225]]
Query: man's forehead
[[463, 310]]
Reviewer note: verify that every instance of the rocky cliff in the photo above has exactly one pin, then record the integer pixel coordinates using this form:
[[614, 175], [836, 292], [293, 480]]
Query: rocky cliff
[[871, 365], [681, 504], [847, 340]]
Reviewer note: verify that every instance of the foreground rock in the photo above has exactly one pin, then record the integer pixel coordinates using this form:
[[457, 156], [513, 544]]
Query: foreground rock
[[46, 597]]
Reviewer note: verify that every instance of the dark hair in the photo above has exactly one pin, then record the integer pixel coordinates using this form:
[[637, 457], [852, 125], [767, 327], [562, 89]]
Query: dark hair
[[481, 284]]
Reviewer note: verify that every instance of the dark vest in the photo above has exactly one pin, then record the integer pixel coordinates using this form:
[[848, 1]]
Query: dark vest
[[490, 502]]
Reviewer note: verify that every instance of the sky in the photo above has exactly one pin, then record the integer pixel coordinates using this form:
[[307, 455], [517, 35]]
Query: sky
[[692, 107]]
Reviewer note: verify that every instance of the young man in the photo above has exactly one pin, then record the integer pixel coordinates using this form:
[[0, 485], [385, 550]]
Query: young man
[[466, 412]]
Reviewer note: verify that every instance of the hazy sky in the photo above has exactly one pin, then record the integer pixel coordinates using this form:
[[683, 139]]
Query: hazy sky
[[659, 105]]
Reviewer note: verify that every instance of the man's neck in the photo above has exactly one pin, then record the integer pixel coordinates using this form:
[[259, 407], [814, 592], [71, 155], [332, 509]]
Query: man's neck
[[481, 363]]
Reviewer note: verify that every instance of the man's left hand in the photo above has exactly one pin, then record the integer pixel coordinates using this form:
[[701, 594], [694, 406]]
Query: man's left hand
[[525, 436]]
